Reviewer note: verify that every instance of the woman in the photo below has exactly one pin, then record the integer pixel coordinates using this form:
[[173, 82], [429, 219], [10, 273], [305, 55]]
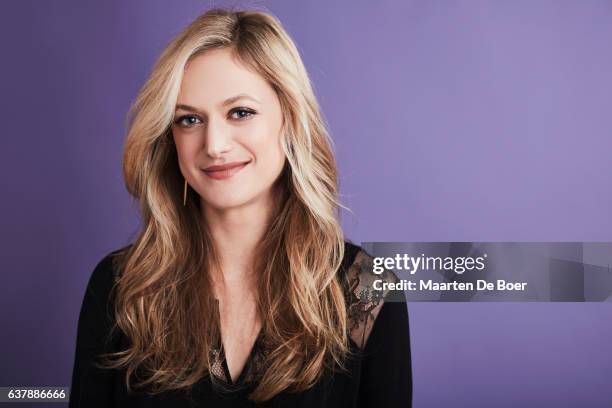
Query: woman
[[240, 288]]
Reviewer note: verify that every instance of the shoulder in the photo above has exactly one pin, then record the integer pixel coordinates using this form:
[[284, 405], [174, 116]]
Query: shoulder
[[358, 273], [364, 302], [350, 252], [104, 276]]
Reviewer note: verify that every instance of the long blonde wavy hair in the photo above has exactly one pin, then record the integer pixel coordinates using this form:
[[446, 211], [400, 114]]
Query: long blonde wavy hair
[[163, 297]]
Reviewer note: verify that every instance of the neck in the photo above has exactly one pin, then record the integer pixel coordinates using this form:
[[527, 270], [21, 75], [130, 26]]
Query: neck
[[236, 233]]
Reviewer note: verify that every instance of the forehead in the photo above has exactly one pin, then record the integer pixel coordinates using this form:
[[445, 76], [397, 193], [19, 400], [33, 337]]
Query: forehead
[[215, 75]]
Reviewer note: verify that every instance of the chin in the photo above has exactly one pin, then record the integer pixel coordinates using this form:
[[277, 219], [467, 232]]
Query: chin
[[228, 202]]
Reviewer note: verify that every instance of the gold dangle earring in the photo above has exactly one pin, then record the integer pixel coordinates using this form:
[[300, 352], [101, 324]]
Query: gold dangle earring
[[185, 194]]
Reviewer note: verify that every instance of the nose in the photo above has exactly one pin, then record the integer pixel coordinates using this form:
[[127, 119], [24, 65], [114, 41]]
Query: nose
[[218, 139]]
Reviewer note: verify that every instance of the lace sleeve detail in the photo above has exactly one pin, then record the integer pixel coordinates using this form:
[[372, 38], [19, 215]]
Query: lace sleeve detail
[[363, 301]]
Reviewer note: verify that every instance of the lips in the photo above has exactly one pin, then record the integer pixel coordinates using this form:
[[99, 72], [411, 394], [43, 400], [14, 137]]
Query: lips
[[223, 171]]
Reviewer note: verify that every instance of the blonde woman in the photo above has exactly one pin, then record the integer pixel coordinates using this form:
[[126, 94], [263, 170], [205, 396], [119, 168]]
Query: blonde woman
[[240, 288]]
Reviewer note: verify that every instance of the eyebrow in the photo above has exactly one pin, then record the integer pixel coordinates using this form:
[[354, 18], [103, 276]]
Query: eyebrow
[[226, 102]]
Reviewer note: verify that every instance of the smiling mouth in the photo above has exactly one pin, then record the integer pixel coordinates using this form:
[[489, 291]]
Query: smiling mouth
[[225, 171]]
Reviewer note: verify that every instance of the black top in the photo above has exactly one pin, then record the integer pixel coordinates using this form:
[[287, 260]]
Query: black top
[[380, 375]]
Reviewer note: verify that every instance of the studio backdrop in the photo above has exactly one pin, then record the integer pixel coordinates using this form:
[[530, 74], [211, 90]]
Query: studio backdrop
[[453, 121]]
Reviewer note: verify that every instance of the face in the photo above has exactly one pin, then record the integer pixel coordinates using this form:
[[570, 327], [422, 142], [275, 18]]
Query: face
[[227, 131]]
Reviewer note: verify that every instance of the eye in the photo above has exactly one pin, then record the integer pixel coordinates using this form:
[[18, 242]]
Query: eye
[[187, 120], [243, 113]]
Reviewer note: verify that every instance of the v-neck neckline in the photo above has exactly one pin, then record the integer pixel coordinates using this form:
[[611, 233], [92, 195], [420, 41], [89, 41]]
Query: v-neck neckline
[[247, 364]]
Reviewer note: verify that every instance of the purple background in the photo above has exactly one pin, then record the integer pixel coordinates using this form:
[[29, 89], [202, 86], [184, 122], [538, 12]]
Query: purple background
[[453, 121]]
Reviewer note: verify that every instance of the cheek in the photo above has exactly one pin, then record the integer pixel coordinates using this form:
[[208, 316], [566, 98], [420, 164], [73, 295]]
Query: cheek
[[268, 153], [186, 149], [265, 143]]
